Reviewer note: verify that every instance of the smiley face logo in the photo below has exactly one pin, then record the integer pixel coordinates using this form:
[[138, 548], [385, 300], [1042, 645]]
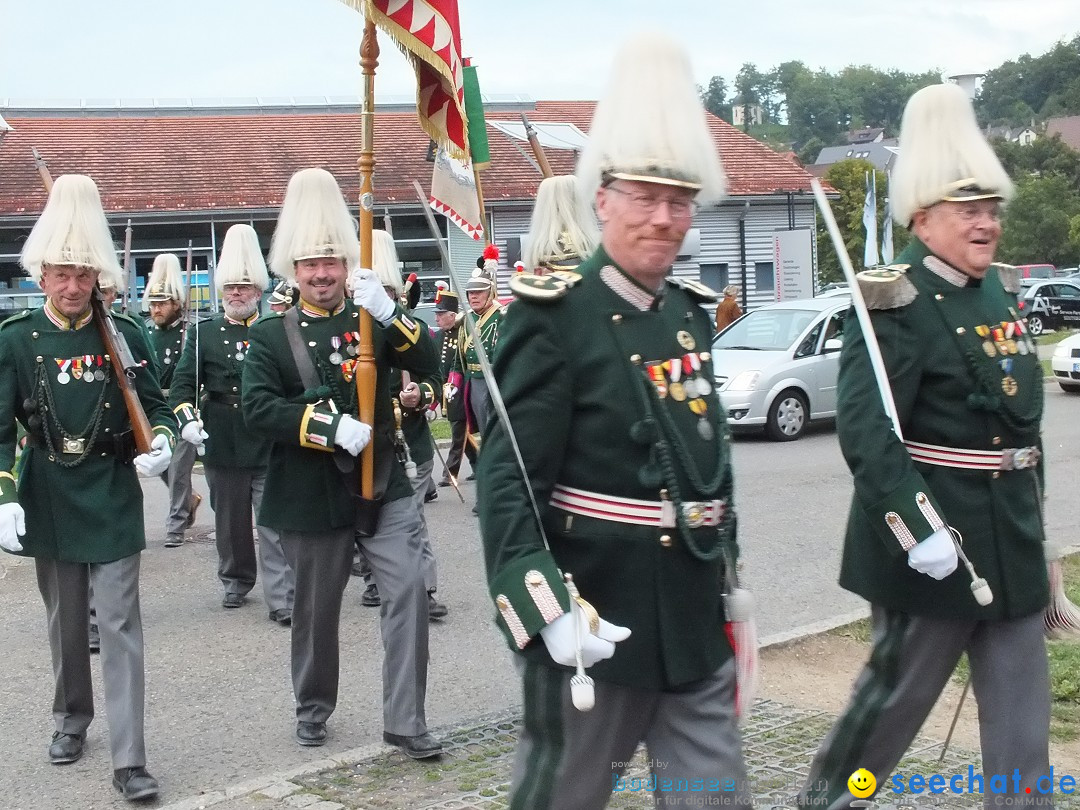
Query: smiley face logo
[[861, 783]]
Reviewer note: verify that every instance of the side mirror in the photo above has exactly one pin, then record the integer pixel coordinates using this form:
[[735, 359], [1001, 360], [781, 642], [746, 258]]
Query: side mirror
[[832, 345]]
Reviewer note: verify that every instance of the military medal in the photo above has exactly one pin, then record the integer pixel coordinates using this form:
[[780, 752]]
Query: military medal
[[336, 357], [659, 381], [167, 359], [677, 392], [349, 348], [676, 389], [686, 340], [63, 377], [701, 408], [1009, 386], [239, 350]]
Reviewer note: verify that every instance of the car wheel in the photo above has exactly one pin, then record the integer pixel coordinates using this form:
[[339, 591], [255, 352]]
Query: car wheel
[[1035, 325], [787, 417]]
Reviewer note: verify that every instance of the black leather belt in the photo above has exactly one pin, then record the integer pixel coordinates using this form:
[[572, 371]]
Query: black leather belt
[[227, 399], [121, 445]]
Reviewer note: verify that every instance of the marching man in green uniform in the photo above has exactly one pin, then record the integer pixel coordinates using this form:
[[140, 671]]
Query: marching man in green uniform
[[164, 298], [299, 389], [78, 507], [563, 231], [607, 380], [448, 318], [412, 402], [467, 378], [235, 457], [968, 392]]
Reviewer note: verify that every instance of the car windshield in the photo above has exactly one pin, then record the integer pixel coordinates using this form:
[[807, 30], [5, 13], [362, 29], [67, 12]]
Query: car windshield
[[766, 330]]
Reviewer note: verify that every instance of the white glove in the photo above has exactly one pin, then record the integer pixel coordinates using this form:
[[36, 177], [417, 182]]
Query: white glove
[[193, 433], [12, 526], [157, 460], [449, 391], [561, 641], [352, 435], [935, 556], [368, 293]]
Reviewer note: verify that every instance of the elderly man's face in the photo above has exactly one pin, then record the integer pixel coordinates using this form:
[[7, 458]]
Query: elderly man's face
[[68, 287], [444, 320], [964, 234], [644, 224], [478, 300], [241, 300]]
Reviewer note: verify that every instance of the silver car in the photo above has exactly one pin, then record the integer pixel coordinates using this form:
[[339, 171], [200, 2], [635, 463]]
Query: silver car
[[776, 367]]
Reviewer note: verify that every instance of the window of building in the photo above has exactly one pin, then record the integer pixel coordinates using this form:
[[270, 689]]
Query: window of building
[[763, 277], [715, 276]]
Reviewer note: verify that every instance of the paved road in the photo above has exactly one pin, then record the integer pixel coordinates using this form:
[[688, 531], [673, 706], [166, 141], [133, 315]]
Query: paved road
[[219, 706]]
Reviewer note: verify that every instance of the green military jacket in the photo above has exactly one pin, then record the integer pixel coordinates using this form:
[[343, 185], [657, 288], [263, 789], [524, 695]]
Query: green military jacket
[[466, 359], [213, 357], [305, 491], [965, 375], [57, 382], [166, 342], [453, 407], [590, 399], [414, 422]]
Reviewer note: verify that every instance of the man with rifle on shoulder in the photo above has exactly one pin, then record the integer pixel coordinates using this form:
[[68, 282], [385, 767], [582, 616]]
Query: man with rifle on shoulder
[[77, 508]]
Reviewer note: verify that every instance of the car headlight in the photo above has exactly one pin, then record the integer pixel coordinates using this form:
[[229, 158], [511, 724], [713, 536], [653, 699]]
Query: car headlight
[[744, 381]]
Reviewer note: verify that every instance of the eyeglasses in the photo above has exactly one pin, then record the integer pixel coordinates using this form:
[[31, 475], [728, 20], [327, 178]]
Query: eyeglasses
[[646, 204], [971, 212]]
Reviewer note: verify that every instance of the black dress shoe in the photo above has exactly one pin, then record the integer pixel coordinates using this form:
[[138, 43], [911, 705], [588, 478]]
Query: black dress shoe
[[310, 733], [431, 496], [444, 482], [232, 600], [282, 616], [421, 746], [135, 783], [65, 748], [435, 608], [370, 597], [470, 477]]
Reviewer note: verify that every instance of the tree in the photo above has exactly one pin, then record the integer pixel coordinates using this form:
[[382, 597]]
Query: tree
[[1038, 222], [848, 177], [809, 151], [749, 83], [714, 98]]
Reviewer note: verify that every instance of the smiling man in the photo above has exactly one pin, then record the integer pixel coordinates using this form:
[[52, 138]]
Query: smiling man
[[299, 389], [968, 391], [78, 508], [606, 376]]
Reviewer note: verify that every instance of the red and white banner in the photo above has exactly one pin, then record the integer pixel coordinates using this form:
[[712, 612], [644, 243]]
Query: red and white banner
[[453, 194]]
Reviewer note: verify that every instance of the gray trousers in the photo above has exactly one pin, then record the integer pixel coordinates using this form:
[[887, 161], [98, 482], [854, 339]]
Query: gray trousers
[[421, 484], [479, 404], [567, 758], [910, 663], [64, 588], [234, 492], [321, 562], [178, 480], [459, 445]]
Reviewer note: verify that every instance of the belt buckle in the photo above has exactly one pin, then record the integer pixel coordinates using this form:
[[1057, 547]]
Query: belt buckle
[[1025, 457], [73, 447], [694, 513]]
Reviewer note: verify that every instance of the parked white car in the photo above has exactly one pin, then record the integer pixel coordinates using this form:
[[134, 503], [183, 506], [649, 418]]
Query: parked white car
[[1065, 364], [776, 367]]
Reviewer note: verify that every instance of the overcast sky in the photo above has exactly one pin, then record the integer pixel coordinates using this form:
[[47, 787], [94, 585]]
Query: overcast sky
[[551, 49]]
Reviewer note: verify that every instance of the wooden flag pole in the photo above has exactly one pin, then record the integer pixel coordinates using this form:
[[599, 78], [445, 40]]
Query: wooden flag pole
[[365, 365]]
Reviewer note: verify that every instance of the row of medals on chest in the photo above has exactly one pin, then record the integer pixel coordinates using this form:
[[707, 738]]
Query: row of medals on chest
[[682, 379], [1010, 337], [88, 368]]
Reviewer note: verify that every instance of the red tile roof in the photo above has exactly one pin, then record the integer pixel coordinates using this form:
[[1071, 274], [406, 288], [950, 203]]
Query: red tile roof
[[214, 162], [1067, 127]]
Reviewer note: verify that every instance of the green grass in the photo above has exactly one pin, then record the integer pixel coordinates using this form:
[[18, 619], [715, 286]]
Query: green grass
[[440, 429]]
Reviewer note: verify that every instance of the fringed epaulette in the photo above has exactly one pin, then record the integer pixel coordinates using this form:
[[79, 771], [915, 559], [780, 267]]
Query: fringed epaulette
[[1009, 275], [887, 287], [12, 319], [695, 289], [545, 288]]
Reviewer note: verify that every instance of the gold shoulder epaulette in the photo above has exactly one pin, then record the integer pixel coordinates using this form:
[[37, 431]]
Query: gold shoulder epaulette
[[1009, 275], [887, 287], [550, 287], [695, 289], [8, 321]]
